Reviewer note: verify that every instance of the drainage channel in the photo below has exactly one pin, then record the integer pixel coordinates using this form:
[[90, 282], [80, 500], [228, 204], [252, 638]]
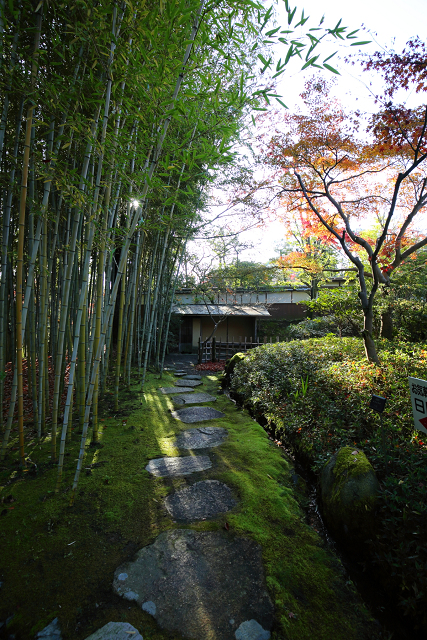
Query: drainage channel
[[394, 626]]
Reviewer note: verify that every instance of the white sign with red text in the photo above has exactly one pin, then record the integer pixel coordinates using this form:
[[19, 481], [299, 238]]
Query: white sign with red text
[[418, 391]]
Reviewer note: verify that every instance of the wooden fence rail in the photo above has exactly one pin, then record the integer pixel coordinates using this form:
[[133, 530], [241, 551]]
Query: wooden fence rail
[[214, 350]]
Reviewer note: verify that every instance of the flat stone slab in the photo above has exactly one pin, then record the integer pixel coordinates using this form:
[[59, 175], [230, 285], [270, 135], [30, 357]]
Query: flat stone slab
[[188, 383], [194, 398], [192, 376], [51, 632], [251, 630], [197, 414], [181, 466], [203, 500], [175, 389], [201, 585], [201, 438], [116, 631]]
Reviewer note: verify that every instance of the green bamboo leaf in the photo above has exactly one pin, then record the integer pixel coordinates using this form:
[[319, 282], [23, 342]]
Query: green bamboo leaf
[[309, 63], [329, 57], [359, 44], [327, 66], [272, 32], [263, 60], [282, 103]]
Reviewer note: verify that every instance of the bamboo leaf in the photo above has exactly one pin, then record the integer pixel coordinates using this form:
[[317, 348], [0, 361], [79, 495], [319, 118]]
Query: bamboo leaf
[[327, 66], [282, 103]]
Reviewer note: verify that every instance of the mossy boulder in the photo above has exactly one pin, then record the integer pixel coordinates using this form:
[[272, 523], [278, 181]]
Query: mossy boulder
[[229, 367], [349, 495]]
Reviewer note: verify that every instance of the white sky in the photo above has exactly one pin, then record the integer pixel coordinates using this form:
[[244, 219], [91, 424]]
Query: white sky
[[388, 23]]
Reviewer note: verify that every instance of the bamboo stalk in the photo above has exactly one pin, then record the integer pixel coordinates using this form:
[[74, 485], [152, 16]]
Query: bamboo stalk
[[21, 237]]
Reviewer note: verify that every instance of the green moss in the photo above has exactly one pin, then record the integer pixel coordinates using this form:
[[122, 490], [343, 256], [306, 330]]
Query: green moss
[[350, 492], [61, 560]]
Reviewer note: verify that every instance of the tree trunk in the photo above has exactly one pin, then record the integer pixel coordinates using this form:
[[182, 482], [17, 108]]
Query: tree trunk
[[367, 333], [386, 330]]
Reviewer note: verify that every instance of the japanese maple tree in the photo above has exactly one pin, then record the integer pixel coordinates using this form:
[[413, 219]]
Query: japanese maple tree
[[345, 180]]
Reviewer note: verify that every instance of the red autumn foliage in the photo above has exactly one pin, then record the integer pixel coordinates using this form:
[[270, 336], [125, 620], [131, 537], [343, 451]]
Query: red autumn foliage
[[211, 366]]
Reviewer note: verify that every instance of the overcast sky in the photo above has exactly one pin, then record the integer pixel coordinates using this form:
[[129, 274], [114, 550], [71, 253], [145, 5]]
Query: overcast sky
[[391, 24]]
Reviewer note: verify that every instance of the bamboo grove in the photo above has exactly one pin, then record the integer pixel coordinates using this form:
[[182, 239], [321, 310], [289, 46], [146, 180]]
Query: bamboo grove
[[115, 117]]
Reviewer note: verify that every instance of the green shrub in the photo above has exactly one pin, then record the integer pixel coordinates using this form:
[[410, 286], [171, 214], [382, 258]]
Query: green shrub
[[334, 412]]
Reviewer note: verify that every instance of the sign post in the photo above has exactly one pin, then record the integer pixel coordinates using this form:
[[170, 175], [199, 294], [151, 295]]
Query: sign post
[[418, 391]]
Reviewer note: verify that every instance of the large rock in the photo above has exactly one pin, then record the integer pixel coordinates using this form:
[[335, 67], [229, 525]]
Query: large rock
[[201, 501], [229, 367], [116, 631], [201, 585], [349, 494]]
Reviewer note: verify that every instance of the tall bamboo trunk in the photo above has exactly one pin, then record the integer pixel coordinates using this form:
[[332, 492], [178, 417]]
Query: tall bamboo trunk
[[21, 238]]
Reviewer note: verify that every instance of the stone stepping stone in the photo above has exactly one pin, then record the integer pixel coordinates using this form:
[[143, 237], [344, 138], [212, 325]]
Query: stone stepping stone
[[197, 414], [51, 632], [203, 500], [205, 585], [202, 438], [175, 389], [116, 631], [194, 398], [181, 466], [251, 630], [179, 375], [192, 376], [188, 383]]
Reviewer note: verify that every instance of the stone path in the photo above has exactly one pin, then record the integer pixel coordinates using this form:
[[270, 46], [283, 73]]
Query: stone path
[[187, 382], [193, 398], [116, 631], [201, 438], [163, 467], [201, 501], [197, 414], [170, 390], [201, 585], [180, 579]]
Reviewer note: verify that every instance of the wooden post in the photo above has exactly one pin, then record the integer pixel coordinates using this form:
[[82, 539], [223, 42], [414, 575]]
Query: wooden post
[[245, 344], [214, 349], [277, 338], [265, 339], [199, 352]]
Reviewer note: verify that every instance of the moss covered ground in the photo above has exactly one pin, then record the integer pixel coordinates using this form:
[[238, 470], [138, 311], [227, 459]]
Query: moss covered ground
[[58, 560]]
